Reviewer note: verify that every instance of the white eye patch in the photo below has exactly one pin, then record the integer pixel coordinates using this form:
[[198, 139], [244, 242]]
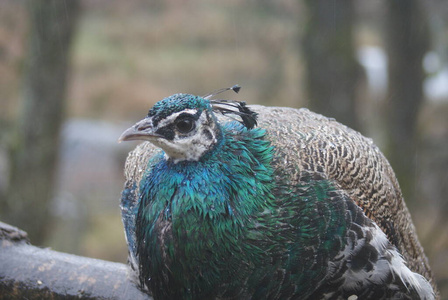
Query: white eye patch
[[171, 118], [192, 146]]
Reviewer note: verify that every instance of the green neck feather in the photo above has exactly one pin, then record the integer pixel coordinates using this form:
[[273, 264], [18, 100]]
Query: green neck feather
[[193, 214]]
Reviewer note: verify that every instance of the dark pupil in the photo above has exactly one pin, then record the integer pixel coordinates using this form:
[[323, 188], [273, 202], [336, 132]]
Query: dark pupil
[[185, 125]]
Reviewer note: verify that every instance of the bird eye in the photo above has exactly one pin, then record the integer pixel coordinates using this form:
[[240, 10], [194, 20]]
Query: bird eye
[[185, 125]]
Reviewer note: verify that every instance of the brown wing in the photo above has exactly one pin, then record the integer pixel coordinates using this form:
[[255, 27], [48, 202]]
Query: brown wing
[[306, 141]]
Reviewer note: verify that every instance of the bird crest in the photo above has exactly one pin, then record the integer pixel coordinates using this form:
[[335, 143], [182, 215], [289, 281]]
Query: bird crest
[[232, 107]]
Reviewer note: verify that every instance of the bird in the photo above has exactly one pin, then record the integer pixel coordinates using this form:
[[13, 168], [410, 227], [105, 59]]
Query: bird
[[225, 200]]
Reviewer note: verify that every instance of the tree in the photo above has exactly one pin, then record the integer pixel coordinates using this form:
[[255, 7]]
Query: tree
[[407, 41], [35, 145], [332, 71]]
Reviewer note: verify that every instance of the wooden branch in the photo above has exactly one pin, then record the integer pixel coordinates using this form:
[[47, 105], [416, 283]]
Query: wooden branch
[[29, 272]]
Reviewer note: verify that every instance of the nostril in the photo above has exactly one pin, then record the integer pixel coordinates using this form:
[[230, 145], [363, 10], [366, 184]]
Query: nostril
[[141, 127]]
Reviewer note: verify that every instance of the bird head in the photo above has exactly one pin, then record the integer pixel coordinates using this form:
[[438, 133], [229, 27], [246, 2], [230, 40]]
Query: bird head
[[184, 125]]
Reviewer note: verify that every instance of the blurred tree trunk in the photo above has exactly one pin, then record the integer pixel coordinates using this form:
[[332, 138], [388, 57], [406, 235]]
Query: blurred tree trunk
[[407, 41], [35, 146], [329, 54], [270, 87]]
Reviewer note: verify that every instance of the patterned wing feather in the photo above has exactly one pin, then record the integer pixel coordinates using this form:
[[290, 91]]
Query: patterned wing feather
[[306, 141], [136, 165]]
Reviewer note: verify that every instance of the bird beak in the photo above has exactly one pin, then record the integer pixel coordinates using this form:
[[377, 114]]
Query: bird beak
[[142, 130]]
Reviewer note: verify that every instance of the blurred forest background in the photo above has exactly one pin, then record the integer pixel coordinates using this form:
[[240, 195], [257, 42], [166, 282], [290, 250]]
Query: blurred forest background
[[75, 73]]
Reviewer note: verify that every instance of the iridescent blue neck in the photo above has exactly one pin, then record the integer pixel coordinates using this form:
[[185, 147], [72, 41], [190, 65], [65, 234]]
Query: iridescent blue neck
[[189, 208], [218, 183]]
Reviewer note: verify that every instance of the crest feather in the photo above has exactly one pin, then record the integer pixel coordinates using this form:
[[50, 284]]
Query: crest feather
[[239, 108], [231, 107]]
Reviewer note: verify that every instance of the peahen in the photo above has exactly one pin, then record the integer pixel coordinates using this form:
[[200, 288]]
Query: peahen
[[239, 202]]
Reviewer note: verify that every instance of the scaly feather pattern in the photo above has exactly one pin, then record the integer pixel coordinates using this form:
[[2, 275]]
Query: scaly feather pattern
[[290, 210]]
